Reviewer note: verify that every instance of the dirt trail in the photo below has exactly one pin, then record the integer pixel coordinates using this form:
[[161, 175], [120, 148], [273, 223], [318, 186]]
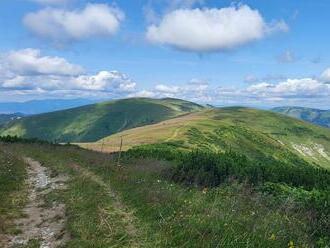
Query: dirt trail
[[43, 223], [127, 216]]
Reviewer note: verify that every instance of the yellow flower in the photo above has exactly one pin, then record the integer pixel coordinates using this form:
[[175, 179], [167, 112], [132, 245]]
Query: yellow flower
[[272, 237], [291, 244]]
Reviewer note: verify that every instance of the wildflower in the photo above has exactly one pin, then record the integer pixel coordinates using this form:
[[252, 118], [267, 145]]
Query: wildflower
[[272, 237], [291, 244]]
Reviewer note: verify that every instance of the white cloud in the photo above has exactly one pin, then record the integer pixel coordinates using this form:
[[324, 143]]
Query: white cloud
[[29, 72], [59, 25], [194, 90], [106, 81], [290, 91], [165, 89], [30, 61], [206, 30], [143, 93], [300, 88], [325, 76]]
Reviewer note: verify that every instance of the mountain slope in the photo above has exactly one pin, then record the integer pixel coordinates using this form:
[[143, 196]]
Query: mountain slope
[[255, 133], [315, 116], [42, 106], [6, 118], [93, 122]]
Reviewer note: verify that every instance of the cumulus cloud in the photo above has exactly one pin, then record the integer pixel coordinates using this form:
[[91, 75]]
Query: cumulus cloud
[[29, 71], [59, 25], [326, 75], [291, 88], [113, 81], [31, 62], [289, 91], [207, 30], [194, 90]]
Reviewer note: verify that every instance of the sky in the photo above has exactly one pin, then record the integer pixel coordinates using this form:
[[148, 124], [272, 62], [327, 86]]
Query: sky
[[253, 52]]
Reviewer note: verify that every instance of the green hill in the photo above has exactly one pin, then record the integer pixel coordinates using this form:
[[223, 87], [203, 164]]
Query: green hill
[[316, 116], [6, 118], [93, 122], [255, 133]]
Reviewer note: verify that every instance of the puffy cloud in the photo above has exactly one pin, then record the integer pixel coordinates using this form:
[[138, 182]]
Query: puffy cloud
[[28, 71], [291, 88], [59, 25], [290, 91], [31, 62], [206, 30], [165, 89], [325, 76], [194, 90], [106, 81]]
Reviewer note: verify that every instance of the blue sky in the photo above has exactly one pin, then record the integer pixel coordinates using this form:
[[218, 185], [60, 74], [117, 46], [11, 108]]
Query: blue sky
[[283, 62]]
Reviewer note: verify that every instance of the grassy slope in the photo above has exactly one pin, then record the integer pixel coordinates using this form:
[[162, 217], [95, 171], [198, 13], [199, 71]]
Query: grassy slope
[[248, 131], [316, 116], [167, 214], [6, 118], [12, 191], [93, 122]]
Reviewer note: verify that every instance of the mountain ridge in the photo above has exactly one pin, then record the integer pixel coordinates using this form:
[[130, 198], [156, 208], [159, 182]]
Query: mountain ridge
[[95, 121], [255, 133]]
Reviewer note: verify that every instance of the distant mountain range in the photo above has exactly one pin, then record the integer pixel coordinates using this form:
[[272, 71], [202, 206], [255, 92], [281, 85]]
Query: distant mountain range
[[41, 106], [315, 116]]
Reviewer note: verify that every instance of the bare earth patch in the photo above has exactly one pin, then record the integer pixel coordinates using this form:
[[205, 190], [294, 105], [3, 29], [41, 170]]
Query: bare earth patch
[[45, 224]]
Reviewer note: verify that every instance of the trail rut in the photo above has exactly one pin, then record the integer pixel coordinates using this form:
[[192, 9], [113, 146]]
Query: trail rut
[[40, 222], [127, 216]]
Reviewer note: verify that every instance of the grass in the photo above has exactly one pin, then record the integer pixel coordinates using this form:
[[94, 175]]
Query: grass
[[13, 193], [167, 214], [252, 132], [93, 219], [93, 122]]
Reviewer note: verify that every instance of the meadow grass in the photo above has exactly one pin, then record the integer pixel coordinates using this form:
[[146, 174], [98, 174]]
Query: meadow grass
[[168, 214], [251, 132], [13, 190]]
